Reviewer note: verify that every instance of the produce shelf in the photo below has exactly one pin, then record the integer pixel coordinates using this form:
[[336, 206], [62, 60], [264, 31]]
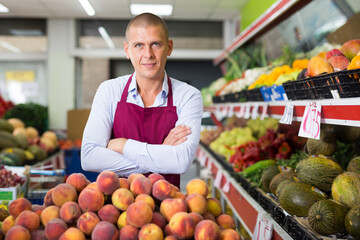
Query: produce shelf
[[344, 111], [248, 202]]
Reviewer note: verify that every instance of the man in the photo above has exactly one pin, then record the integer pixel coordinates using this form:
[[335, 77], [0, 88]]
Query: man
[[144, 122]]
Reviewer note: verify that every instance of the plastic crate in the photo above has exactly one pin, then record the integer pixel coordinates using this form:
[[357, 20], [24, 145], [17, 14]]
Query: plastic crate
[[236, 97], [254, 95], [342, 84], [36, 196], [73, 165], [218, 99]]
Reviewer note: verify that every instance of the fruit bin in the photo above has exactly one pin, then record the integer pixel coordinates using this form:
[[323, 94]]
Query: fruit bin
[[254, 95], [342, 84]]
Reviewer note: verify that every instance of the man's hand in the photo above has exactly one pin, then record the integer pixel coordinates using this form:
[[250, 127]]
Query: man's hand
[[177, 135], [117, 144]]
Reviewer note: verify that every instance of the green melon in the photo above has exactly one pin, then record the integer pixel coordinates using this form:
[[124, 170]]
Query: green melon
[[354, 165], [279, 178], [38, 152], [352, 222], [267, 176], [6, 126], [346, 189]]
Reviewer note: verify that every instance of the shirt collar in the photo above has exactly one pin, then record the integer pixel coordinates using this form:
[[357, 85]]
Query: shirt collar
[[134, 91]]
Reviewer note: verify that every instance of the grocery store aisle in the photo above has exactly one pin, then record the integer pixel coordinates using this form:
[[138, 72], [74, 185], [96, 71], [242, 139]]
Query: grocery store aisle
[[192, 173]]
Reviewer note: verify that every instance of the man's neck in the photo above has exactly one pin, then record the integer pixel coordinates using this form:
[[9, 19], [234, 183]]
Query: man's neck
[[149, 89]]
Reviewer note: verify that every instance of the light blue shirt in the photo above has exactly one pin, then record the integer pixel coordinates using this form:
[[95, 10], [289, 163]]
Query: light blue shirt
[[140, 157]]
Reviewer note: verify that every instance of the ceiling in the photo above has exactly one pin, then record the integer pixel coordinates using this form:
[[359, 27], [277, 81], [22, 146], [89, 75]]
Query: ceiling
[[119, 9]]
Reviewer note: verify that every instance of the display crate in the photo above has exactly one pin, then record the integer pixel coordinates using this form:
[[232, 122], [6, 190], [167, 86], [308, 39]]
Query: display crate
[[342, 84], [7, 195], [73, 164], [254, 95]]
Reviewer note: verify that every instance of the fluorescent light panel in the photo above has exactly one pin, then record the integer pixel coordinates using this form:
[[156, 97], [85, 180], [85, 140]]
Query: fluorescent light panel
[[158, 9], [10, 47], [87, 7], [106, 37], [3, 8]]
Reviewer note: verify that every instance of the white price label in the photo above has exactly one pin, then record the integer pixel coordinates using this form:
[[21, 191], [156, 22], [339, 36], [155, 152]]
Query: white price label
[[287, 117], [217, 181], [241, 112], [230, 111], [264, 111], [209, 165], [224, 111], [254, 113], [310, 124], [247, 111], [263, 228], [226, 187]]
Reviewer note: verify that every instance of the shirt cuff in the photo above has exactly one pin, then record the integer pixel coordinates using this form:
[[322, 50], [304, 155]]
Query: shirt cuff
[[134, 149]]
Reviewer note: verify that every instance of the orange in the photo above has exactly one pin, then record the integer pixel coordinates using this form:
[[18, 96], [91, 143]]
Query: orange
[[355, 63], [322, 54]]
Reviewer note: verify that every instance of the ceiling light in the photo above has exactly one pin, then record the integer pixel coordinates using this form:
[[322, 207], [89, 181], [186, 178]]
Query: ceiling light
[[87, 6], [3, 8], [158, 9], [106, 37], [10, 47]]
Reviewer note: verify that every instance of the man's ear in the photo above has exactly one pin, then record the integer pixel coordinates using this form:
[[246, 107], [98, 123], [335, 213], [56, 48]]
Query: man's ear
[[170, 46], [126, 48]]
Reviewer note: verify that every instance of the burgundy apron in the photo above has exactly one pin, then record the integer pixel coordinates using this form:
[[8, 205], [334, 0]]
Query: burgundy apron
[[150, 125]]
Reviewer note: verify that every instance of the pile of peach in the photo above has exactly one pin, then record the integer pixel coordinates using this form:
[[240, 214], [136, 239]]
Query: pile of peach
[[136, 207]]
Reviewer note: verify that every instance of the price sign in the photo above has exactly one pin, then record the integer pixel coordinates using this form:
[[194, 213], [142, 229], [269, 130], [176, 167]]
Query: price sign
[[264, 111], [230, 112], [288, 114], [241, 112], [217, 181], [263, 228], [209, 165], [224, 111], [247, 111], [254, 113], [226, 187], [310, 124]]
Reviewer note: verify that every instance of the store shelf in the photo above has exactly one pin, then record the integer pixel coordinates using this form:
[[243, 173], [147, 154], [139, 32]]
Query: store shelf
[[278, 12], [247, 201], [333, 111]]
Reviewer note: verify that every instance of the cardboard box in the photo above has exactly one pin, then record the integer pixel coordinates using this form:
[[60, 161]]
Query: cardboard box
[[350, 30], [76, 121]]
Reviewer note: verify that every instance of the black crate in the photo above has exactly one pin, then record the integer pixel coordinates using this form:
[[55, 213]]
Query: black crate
[[218, 99], [344, 83], [236, 97], [254, 95]]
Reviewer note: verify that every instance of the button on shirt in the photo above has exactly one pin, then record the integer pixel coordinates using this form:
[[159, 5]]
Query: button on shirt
[[140, 157]]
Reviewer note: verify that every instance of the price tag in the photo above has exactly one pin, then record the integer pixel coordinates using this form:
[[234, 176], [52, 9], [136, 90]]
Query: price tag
[[247, 111], [209, 165], [202, 160], [264, 111], [230, 111], [254, 113], [310, 124], [224, 111], [217, 181], [226, 187], [218, 113], [263, 228], [241, 112], [287, 117]]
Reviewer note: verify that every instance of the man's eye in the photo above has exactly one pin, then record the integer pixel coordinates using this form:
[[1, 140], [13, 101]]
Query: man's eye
[[138, 45], [156, 44]]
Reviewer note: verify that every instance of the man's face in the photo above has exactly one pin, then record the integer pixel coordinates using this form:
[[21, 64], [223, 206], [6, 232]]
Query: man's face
[[148, 48]]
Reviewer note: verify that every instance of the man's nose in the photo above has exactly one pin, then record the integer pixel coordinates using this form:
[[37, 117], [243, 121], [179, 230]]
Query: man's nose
[[148, 51]]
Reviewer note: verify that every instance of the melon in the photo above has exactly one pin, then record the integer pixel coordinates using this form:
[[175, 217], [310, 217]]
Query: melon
[[354, 165], [347, 134], [32, 132], [327, 143], [16, 122], [346, 189], [352, 222]]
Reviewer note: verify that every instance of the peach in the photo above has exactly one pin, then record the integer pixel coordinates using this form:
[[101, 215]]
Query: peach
[[207, 229], [179, 195], [28, 219], [63, 193], [146, 198], [105, 230], [141, 185], [49, 213], [229, 234], [159, 220], [351, 48], [55, 228], [48, 198], [132, 176], [339, 63], [129, 232], [37, 208], [86, 222], [209, 216], [197, 186], [138, 214], [175, 188], [78, 181], [167, 230], [225, 221], [109, 213], [214, 206], [19, 205], [182, 225], [92, 185], [162, 189], [72, 233], [333, 52], [196, 217], [70, 212], [122, 222], [107, 182], [38, 234], [122, 198], [18, 232], [91, 199], [170, 206], [151, 231], [124, 183], [155, 177], [8, 223], [196, 203], [170, 237]]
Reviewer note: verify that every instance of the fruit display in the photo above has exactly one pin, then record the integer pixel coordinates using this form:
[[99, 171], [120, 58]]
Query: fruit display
[[136, 207], [8, 178]]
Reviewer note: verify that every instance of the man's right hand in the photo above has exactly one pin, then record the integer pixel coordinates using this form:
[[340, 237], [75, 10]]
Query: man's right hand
[[177, 135]]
